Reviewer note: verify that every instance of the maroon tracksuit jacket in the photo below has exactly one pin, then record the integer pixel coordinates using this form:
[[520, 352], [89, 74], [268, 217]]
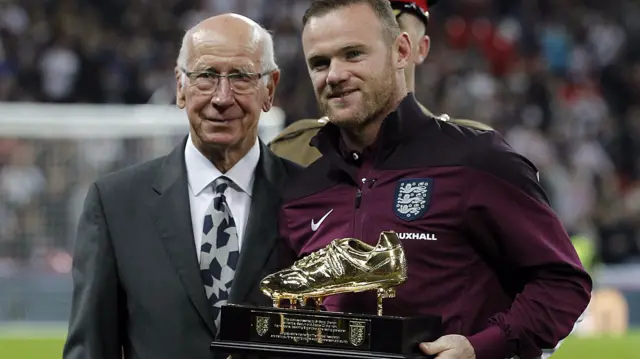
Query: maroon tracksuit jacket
[[484, 249]]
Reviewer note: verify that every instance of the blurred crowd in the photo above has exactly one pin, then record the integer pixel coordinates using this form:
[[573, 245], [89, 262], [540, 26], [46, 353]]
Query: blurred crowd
[[559, 79]]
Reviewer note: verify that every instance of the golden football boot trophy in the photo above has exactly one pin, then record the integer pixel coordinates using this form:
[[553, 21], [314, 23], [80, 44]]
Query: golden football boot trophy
[[346, 265]]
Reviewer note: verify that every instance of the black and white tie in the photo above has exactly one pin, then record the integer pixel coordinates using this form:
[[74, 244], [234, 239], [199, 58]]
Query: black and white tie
[[220, 250]]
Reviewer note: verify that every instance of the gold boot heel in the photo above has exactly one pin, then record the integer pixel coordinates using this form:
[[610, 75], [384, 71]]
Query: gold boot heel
[[385, 293]]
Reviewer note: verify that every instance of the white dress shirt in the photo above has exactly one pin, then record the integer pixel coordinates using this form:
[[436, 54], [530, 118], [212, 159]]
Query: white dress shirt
[[201, 174]]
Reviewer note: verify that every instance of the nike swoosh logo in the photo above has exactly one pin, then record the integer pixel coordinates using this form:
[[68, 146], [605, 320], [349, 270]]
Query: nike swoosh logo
[[379, 265], [315, 226]]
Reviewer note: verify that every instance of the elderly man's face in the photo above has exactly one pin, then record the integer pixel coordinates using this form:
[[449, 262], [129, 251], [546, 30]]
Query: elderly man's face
[[224, 112]]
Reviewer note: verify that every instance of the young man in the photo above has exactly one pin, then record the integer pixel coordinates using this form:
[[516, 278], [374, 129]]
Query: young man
[[484, 249], [413, 18]]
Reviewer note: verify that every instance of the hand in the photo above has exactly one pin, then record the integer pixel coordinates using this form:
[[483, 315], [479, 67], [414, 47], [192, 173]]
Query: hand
[[449, 347]]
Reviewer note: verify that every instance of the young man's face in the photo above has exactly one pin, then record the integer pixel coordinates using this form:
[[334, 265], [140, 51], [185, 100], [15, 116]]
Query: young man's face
[[351, 64]]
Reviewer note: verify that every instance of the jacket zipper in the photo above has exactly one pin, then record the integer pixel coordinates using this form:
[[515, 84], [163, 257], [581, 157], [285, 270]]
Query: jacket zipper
[[356, 212], [359, 218], [359, 192], [360, 213], [358, 198]]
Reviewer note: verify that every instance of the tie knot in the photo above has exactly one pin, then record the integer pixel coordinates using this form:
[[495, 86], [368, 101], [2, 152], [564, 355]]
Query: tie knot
[[221, 184]]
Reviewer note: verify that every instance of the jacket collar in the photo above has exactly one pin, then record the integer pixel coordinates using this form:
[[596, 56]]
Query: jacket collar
[[397, 127]]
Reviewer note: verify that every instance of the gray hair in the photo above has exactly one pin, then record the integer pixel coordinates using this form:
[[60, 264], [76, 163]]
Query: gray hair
[[267, 62]]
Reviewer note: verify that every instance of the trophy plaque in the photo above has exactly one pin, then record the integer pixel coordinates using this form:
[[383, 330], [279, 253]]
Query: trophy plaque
[[345, 266]]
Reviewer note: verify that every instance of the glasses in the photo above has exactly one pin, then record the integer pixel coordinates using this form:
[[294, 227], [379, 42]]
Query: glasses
[[240, 82]]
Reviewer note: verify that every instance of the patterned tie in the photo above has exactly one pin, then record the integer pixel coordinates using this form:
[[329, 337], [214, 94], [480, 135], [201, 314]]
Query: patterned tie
[[219, 251]]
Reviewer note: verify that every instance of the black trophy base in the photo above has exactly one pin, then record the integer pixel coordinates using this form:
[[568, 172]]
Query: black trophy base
[[288, 351], [297, 333]]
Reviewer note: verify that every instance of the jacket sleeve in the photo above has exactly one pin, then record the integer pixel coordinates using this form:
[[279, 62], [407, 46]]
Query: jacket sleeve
[[507, 215], [288, 254], [95, 326]]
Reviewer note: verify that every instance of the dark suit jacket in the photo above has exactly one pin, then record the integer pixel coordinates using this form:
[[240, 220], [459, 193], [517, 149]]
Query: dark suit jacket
[[137, 287]]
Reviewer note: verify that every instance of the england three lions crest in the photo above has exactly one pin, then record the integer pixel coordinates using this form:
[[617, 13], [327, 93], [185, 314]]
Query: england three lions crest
[[262, 325], [357, 333], [413, 197]]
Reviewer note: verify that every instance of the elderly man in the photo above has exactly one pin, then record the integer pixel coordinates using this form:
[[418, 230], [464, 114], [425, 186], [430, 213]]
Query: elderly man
[[162, 245], [413, 17], [484, 250]]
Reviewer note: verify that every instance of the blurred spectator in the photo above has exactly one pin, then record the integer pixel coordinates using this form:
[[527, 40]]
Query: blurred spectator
[[20, 179]]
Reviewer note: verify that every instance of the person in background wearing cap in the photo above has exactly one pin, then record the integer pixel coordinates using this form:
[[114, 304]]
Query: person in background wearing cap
[[413, 17]]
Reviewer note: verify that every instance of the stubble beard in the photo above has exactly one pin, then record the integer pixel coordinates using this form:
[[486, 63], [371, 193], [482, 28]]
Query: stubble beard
[[374, 102]]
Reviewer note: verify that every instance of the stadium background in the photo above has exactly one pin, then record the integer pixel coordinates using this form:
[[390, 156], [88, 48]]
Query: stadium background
[[86, 87]]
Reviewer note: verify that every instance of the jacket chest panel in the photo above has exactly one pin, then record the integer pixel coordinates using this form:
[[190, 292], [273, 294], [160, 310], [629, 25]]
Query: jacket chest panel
[[421, 206]]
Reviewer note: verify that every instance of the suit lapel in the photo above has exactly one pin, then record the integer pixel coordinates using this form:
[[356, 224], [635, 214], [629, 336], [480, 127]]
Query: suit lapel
[[261, 233], [172, 216]]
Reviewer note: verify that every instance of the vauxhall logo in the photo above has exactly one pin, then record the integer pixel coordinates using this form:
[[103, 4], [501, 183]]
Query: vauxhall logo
[[418, 236]]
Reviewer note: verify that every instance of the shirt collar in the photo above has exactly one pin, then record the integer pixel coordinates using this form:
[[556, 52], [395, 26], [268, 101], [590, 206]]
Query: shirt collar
[[201, 172]]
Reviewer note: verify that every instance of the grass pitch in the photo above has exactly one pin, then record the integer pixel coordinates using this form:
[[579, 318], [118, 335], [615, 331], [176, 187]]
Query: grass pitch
[[38, 345]]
